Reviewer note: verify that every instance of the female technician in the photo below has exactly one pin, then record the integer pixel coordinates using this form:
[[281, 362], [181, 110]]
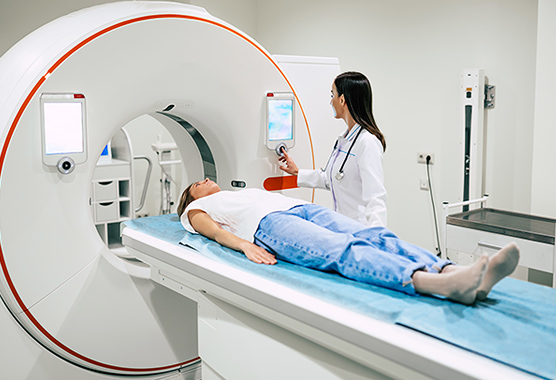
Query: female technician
[[354, 169]]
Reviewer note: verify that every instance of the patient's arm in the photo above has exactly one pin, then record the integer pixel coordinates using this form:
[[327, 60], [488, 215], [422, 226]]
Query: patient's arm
[[206, 226]]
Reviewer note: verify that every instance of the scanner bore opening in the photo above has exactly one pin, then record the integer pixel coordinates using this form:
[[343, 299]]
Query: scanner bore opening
[[147, 170]]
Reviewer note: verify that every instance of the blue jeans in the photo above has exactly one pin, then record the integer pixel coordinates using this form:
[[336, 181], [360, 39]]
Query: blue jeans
[[317, 237]]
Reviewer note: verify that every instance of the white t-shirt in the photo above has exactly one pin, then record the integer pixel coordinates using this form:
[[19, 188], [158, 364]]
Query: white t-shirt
[[240, 212]]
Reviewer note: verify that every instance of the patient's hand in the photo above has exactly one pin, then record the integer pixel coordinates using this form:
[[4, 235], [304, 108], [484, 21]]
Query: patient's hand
[[257, 254], [206, 226]]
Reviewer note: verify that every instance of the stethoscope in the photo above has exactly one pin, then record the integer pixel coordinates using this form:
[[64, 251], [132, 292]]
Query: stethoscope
[[340, 173]]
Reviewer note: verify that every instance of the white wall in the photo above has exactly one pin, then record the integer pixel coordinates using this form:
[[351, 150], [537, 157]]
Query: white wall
[[413, 52], [544, 154]]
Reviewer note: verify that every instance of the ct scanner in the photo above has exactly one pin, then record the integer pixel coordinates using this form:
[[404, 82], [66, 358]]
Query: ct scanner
[[73, 300], [73, 310]]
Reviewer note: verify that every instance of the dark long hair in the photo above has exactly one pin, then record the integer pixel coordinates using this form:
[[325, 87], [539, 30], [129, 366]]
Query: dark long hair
[[357, 92], [185, 199]]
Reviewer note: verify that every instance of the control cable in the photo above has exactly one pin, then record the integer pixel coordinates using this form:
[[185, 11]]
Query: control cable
[[438, 249]]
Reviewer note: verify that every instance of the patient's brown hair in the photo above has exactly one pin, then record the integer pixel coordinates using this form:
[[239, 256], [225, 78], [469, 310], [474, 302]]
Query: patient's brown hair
[[185, 199]]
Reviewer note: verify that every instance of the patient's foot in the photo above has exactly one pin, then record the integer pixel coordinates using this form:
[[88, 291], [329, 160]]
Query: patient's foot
[[462, 284], [502, 264], [459, 285]]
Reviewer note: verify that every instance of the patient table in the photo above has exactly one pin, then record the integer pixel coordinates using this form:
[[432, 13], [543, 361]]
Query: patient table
[[286, 321]]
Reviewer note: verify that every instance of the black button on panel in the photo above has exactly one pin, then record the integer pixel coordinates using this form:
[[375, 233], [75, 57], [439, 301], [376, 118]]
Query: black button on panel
[[240, 184]]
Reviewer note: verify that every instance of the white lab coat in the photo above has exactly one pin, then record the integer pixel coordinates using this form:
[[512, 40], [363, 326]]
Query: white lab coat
[[360, 194]]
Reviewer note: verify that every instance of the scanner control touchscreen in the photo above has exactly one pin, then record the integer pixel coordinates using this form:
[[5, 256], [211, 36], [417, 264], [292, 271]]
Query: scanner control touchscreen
[[280, 119], [63, 124]]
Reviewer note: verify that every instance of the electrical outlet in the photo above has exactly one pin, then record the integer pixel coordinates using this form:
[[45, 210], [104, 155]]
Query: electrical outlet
[[424, 184], [422, 158]]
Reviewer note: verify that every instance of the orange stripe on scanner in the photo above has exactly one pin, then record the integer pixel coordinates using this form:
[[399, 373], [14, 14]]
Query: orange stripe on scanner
[[280, 183]]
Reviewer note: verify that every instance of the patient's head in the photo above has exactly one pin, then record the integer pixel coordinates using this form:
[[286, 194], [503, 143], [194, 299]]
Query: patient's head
[[195, 191]]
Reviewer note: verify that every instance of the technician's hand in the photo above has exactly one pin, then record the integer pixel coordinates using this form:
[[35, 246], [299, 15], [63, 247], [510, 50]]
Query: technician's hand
[[287, 164], [257, 254]]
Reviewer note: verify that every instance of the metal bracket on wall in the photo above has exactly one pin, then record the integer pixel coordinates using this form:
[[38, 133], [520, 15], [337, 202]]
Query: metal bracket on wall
[[490, 95]]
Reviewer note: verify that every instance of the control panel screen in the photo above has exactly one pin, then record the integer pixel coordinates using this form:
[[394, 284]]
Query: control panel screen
[[280, 119], [63, 128]]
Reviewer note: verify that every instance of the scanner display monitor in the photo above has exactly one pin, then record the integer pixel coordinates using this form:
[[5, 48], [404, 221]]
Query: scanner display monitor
[[280, 119], [63, 125]]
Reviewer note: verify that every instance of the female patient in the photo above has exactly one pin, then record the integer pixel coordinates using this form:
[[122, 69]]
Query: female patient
[[265, 226]]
